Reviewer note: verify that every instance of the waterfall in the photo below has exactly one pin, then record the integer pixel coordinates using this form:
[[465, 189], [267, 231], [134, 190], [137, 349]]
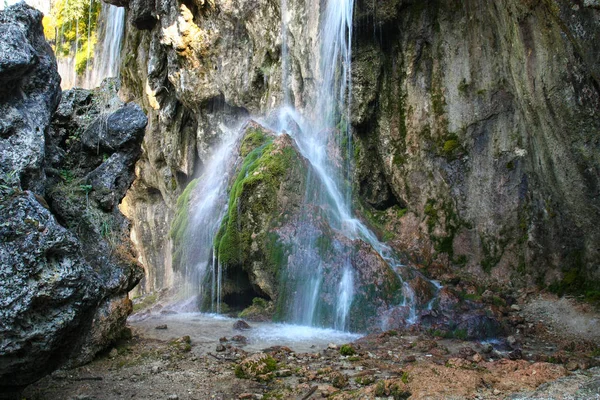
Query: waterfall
[[209, 199], [319, 280], [324, 137], [108, 50], [110, 29], [325, 130]]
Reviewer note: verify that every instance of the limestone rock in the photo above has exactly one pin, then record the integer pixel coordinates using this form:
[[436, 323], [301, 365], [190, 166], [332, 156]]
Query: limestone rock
[[48, 291], [66, 264], [124, 126]]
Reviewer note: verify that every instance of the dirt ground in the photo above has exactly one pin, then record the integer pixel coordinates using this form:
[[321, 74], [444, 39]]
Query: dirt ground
[[554, 353]]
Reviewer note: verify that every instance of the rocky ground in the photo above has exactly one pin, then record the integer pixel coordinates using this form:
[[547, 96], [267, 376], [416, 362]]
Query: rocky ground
[[548, 357]]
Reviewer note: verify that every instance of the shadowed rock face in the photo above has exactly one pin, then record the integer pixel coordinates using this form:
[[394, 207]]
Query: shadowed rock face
[[65, 260], [483, 121]]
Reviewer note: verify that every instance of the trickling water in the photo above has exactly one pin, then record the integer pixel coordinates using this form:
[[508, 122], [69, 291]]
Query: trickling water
[[209, 206], [344, 300], [89, 46]]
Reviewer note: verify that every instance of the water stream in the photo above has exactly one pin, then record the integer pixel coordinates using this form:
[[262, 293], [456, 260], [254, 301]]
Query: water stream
[[206, 329], [108, 49]]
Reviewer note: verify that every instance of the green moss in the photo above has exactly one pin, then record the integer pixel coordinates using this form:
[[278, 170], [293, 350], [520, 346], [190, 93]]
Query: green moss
[[491, 254], [575, 280], [450, 146], [261, 173], [460, 334], [180, 223], [463, 87], [347, 350], [146, 302], [432, 214], [253, 139], [387, 236]]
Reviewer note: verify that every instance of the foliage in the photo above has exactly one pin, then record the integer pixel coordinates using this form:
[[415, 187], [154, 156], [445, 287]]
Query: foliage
[[71, 29]]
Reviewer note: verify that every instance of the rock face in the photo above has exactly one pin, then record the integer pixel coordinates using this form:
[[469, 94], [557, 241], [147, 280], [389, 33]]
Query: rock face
[[475, 125], [199, 72], [486, 131], [65, 265]]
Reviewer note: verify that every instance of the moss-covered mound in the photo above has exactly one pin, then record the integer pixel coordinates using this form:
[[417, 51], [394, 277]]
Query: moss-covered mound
[[266, 193]]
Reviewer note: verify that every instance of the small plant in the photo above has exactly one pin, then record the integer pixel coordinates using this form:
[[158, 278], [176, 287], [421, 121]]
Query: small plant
[[347, 350], [404, 377], [380, 389], [66, 175], [259, 302]]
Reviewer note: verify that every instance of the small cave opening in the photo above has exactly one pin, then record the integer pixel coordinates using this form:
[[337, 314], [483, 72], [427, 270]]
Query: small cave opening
[[239, 291]]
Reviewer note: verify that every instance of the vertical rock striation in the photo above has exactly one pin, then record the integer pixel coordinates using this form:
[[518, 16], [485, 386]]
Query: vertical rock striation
[[482, 119]]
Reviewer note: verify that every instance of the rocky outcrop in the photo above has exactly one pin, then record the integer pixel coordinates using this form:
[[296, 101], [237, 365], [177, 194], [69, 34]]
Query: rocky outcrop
[[65, 268], [274, 245], [199, 73], [482, 122], [475, 125]]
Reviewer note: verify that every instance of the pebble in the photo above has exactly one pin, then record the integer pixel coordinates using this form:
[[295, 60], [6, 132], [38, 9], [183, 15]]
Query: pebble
[[515, 307], [173, 397], [496, 392], [332, 346], [572, 366], [113, 353], [516, 354], [162, 327], [241, 325], [220, 348]]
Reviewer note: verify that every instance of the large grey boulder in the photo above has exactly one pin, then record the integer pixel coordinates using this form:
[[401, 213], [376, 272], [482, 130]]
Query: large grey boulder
[[66, 264], [29, 93], [123, 127], [47, 291]]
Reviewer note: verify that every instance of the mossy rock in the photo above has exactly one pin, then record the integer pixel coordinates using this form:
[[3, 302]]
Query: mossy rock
[[259, 367], [265, 193]]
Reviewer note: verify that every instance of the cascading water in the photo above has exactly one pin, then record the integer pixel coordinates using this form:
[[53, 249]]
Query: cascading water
[[201, 270], [108, 50], [318, 286], [109, 26], [324, 138]]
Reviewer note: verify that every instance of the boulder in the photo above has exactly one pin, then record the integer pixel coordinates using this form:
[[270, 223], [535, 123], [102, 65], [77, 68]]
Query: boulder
[[124, 126], [66, 263]]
